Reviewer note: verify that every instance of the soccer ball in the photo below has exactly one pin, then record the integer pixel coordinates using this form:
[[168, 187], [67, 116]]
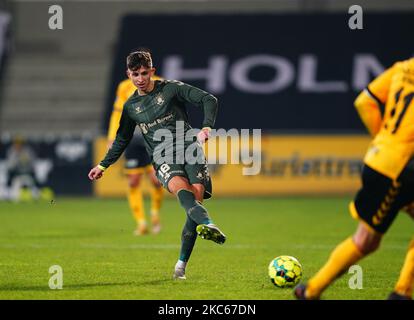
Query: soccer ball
[[285, 271]]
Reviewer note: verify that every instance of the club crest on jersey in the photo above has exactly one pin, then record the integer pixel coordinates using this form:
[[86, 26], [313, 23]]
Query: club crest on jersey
[[159, 100]]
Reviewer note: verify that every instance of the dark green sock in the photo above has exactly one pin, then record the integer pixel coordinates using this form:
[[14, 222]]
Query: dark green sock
[[188, 239], [193, 209]]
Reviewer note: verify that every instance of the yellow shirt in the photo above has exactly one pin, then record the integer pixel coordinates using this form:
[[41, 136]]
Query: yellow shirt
[[125, 89], [393, 144]]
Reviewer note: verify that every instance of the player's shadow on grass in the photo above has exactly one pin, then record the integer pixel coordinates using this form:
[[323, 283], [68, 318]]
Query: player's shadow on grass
[[83, 286]]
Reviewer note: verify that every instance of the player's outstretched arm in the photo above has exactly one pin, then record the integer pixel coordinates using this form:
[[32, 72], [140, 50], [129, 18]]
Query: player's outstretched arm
[[95, 173], [110, 143], [201, 98], [122, 139]]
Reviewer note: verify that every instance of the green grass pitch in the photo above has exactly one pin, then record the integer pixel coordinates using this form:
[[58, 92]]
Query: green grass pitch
[[92, 241]]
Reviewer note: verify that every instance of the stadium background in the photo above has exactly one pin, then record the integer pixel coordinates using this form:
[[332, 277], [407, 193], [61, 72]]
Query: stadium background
[[303, 68], [274, 65]]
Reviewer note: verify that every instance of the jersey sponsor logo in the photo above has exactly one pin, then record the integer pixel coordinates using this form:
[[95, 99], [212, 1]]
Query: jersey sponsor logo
[[144, 128], [163, 119], [149, 125]]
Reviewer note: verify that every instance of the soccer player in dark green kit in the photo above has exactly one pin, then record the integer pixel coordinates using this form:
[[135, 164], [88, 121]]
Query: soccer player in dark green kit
[[157, 106]]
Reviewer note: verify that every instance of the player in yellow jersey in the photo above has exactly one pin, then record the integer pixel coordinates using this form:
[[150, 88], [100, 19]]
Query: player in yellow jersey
[[137, 165], [387, 179]]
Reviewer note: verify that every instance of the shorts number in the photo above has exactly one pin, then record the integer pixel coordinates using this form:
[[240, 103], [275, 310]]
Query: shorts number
[[164, 168], [163, 171]]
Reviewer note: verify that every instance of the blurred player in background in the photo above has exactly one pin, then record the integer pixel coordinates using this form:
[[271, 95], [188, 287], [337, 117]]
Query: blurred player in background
[[387, 179], [137, 164], [22, 181], [159, 105]]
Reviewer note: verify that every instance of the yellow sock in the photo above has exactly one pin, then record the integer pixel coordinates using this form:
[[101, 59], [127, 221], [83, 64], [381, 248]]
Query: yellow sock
[[343, 256], [136, 203], [405, 283], [157, 194]]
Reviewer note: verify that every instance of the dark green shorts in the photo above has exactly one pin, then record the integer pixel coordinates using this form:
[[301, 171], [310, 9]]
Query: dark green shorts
[[195, 173]]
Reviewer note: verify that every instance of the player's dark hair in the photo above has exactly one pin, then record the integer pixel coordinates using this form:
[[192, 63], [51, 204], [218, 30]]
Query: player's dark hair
[[138, 59]]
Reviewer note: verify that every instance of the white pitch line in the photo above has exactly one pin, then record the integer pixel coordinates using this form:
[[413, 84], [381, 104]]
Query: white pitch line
[[113, 246], [164, 246]]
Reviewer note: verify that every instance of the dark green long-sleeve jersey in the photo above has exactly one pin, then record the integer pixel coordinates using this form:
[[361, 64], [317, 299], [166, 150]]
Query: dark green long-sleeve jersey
[[160, 109]]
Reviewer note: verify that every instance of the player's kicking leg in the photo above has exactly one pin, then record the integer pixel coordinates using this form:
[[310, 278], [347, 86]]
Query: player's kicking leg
[[190, 198], [207, 231], [211, 232]]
